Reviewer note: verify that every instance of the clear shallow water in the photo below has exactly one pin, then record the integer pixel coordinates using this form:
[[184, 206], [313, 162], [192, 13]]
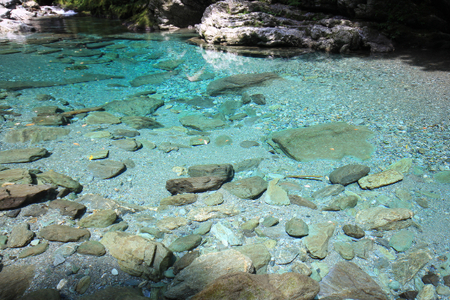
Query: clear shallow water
[[403, 98]]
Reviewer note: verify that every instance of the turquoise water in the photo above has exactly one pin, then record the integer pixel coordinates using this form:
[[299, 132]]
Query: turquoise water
[[402, 97]]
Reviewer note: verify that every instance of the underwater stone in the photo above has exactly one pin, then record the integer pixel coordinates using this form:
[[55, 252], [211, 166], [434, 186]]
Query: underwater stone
[[53, 177], [169, 65], [64, 233], [35, 134], [179, 200], [275, 195], [406, 267], [154, 78], [296, 227], [194, 184], [211, 212], [324, 141], [348, 174], [201, 123], [376, 217], [138, 106], [99, 219], [442, 177], [106, 168], [376, 180], [137, 122], [317, 240], [16, 176], [127, 144], [22, 155], [247, 188], [222, 170], [12, 196], [185, 243], [101, 117], [235, 83]]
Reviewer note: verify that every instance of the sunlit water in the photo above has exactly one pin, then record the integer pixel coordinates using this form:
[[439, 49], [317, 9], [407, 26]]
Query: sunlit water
[[403, 97]]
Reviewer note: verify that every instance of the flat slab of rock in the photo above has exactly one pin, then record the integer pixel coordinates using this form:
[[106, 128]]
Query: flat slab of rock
[[201, 123], [68, 208], [138, 256], [379, 217], [286, 286], [63, 233], [137, 122], [13, 196], [215, 212], [347, 280], [376, 180], [52, 177], [238, 82], [204, 270], [348, 174], [15, 280], [17, 176], [179, 200], [20, 236], [99, 219], [406, 267], [101, 117], [105, 169], [248, 188], [35, 134], [324, 141], [317, 240], [194, 184], [224, 170], [22, 155], [127, 144]]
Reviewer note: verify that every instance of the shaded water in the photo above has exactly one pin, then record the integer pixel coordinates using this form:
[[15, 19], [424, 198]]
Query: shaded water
[[402, 97]]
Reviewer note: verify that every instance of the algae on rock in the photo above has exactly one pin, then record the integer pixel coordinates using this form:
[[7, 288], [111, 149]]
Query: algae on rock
[[324, 141]]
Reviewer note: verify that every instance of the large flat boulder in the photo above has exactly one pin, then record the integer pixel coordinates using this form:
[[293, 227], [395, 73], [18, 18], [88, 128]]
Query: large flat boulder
[[16, 195], [22, 155], [138, 256], [236, 83], [324, 141]]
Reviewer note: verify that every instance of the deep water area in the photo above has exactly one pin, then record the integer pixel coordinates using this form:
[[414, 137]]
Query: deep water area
[[85, 90]]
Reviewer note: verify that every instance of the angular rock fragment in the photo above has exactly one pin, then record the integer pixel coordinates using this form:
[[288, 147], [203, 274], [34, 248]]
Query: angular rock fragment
[[13, 196], [348, 174], [373, 181], [22, 155], [64, 233]]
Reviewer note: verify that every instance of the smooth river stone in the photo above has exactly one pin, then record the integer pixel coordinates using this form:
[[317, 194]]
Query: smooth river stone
[[324, 141], [194, 184], [101, 117], [105, 169], [296, 227], [127, 144], [22, 155], [63, 233], [201, 123], [248, 188], [185, 243], [348, 174], [20, 236], [224, 170], [179, 200], [99, 219], [380, 179], [16, 176]]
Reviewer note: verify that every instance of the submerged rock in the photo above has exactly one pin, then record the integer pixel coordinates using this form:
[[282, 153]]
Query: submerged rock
[[16, 195], [138, 106], [241, 285], [347, 280], [380, 179], [22, 155], [154, 78], [15, 280], [204, 270], [201, 123], [138, 256], [52, 177], [35, 134], [105, 169], [235, 83], [324, 141], [348, 174], [379, 217], [194, 184], [248, 188]]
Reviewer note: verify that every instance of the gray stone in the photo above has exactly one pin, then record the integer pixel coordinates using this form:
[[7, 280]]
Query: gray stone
[[179, 200], [83, 284], [50, 120], [247, 164], [345, 250], [221, 170], [20, 236], [270, 221], [348, 174], [286, 286], [354, 231], [248, 188], [101, 117], [35, 134], [16, 176], [213, 199], [106, 168], [92, 248], [138, 256], [52, 177], [317, 240], [363, 248], [275, 195], [63, 233], [22, 155], [121, 226], [324, 141], [406, 267], [211, 212], [223, 140], [137, 122], [201, 123], [342, 203], [68, 208], [347, 280], [330, 190], [300, 201], [402, 240], [204, 270], [127, 144], [185, 243], [235, 83], [34, 210], [99, 219], [35, 250], [203, 228], [227, 236], [259, 255], [194, 184], [297, 228], [122, 133], [153, 78]]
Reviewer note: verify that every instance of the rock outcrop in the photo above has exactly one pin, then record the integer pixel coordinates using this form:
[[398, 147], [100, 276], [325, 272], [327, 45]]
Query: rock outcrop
[[258, 23]]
